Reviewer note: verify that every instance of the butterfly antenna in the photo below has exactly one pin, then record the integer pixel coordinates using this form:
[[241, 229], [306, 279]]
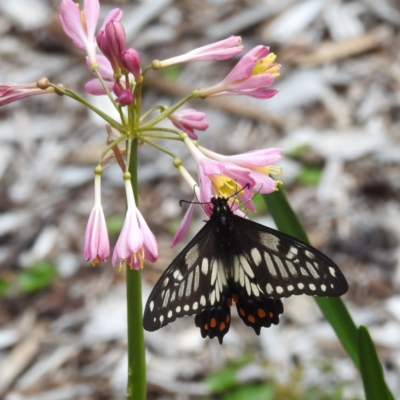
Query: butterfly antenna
[[247, 201]]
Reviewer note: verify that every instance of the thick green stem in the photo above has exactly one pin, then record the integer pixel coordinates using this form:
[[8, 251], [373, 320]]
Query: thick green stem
[[136, 388]]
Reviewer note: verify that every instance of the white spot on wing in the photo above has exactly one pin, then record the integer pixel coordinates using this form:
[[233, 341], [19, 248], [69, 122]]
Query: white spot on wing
[[166, 298], [152, 306], [270, 264], [255, 289], [212, 298], [311, 268], [248, 287], [214, 272], [181, 289], [281, 267], [196, 279], [272, 242], [186, 307], [169, 314], [291, 267], [256, 256], [236, 269], [279, 289], [303, 271], [195, 305], [189, 284], [177, 275], [246, 266], [323, 287], [300, 285], [204, 266], [290, 288], [332, 271], [269, 288], [312, 286], [178, 309], [192, 255], [293, 251], [203, 301], [241, 277], [309, 254]]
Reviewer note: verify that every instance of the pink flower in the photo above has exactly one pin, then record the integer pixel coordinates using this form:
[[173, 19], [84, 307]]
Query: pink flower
[[189, 120], [136, 242], [258, 163], [185, 223], [10, 92], [251, 76], [96, 245], [222, 50], [206, 167], [80, 26]]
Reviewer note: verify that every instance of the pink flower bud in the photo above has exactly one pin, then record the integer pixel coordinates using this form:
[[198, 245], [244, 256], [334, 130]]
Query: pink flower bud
[[189, 120], [124, 96], [116, 38], [131, 62]]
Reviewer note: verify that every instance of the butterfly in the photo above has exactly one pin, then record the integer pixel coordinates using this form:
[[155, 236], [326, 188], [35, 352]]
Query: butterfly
[[235, 260]]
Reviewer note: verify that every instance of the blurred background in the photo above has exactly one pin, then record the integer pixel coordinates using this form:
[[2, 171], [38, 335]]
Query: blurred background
[[337, 116]]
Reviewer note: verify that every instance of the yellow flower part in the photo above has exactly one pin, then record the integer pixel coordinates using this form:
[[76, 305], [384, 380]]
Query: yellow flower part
[[225, 186], [265, 66], [269, 170]]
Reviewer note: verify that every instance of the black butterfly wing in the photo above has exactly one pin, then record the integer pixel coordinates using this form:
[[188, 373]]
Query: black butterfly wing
[[194, 281], [269, 263]]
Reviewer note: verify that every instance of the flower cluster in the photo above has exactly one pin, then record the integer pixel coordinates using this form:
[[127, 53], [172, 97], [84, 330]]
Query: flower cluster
[[118, 73]]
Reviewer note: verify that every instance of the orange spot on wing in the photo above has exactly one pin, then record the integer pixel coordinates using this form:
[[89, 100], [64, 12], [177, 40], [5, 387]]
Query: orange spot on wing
[[235, 298], [228, 318], [251, 319], [213, 323], [271, 314], [241, 311], [261, 313], [222, 326], [229, 301], [206, 327]]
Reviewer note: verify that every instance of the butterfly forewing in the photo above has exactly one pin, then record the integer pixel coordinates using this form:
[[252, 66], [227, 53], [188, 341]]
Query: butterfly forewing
[[195, 280], [272, 264]]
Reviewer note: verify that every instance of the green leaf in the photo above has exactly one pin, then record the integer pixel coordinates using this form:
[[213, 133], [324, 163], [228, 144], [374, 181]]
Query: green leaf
[[39, 276], [371, 368], [225, 379], [114, 224], [222, 380], [333, 309], [253, 392], [4, 286], [309, 175], [171, 73]]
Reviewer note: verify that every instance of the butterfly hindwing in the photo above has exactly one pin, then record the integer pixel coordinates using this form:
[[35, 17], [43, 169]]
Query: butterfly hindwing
[[269, 263], [193, 281]]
